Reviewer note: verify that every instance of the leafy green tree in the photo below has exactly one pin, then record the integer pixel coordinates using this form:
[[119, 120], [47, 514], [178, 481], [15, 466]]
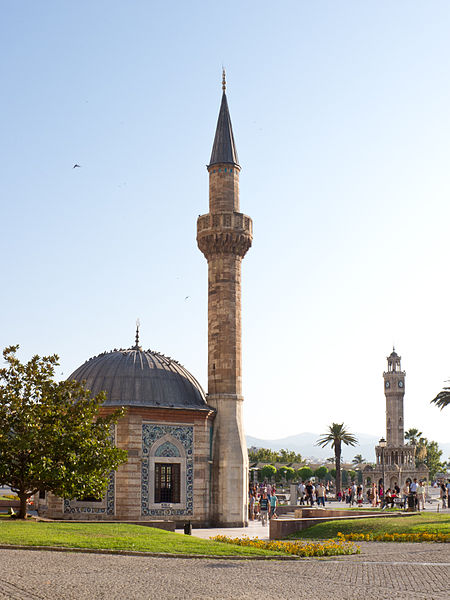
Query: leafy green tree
[[289, 456], [267, 455], [268, 472], [412, 436], [262, 455], [336, 436], [305, 473], [344, 476], [51, 435], [443, 398], [320, 472], [333, 473], [352, 474], [286, 473], [428, 452]]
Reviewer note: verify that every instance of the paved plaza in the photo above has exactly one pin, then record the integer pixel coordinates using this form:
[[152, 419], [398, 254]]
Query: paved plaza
[[381, 572]]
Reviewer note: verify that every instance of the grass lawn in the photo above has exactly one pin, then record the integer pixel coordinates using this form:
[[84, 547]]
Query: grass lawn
[[115, 536], [425, 522]]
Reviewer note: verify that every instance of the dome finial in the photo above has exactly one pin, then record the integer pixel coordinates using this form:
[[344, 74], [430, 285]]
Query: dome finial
[[136, 346], [224, 81]]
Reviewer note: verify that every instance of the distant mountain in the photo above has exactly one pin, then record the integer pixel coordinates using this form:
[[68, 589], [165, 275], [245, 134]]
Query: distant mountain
[[305, 444]]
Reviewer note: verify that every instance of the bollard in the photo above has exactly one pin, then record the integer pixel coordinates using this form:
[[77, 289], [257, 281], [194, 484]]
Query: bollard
[[188, 528]]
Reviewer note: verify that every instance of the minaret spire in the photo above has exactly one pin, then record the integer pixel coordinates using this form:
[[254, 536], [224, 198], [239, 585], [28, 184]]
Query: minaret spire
[[224, 147]]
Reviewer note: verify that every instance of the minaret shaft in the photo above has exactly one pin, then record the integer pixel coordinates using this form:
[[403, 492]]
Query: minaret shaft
[[224, 324]]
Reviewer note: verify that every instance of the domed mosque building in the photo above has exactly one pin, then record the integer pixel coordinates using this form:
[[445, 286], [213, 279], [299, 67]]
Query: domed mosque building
[[187, 457]]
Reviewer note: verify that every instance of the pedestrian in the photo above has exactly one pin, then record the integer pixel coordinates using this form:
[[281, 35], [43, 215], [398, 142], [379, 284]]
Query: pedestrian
[[273, 506], [301, 493], [448, 493], [309, 493], [421, 496], [443, 495], [320, 491], [413, 491], [264, 508]]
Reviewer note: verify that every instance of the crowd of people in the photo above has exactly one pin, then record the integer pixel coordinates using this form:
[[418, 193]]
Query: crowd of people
[[263, 502]]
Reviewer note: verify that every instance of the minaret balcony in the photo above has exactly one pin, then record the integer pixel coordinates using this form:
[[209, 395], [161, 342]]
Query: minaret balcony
[[223, 221], [228, 232]]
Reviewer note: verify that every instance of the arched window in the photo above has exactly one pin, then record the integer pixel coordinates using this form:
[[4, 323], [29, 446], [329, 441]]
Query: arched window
[[167, 471]]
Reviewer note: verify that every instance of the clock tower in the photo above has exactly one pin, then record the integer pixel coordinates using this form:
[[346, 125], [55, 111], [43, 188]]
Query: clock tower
[[396, 462], [394, 390]]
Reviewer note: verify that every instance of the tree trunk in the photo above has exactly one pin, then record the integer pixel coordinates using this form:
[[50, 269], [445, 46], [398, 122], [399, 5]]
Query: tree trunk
[[23, 506], [337, 457]]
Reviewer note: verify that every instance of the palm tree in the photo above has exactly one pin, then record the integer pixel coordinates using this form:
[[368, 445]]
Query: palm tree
[[443, 398], [358, 460], [412, 436], [336, 436]]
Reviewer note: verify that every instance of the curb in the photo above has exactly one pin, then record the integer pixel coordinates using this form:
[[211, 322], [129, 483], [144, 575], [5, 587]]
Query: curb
[[145, 554]]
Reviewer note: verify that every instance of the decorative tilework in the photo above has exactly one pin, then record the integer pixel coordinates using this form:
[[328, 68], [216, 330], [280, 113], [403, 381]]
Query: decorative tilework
[[167, 449], [183, 434]]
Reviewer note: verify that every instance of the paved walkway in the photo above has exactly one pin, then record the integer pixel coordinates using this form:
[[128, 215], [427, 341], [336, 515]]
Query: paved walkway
[[380, 572]]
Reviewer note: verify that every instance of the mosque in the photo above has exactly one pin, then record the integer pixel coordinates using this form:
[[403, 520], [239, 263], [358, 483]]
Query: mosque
[[187, 455]]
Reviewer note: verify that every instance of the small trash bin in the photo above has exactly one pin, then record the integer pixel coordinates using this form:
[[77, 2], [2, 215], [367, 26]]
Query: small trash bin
[[411, 502], [187, 528]]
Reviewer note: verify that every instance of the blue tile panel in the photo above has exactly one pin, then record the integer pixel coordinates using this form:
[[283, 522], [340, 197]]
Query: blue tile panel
[[185, 435]]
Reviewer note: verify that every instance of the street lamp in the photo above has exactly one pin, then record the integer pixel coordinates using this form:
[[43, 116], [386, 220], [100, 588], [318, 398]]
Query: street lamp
[[382, 444]]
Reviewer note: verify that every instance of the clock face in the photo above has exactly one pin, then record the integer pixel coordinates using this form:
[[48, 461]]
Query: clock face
[[387, 384], [400, 384]]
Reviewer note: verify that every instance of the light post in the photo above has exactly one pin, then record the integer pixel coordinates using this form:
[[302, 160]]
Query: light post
[[382, 445]]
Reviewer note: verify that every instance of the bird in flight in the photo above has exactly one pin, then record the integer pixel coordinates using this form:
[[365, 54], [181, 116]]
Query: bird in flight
[[75, 166], [187, 297]]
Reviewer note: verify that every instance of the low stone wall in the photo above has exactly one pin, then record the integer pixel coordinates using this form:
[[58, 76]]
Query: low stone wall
[[284, 527], [5, 505], [166, 525]]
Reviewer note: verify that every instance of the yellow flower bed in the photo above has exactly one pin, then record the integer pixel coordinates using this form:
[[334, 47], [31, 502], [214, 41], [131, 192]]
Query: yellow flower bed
[[327, 548], [394, 537]]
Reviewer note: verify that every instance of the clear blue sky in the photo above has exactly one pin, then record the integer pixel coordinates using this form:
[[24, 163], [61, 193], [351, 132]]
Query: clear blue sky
[[341, 118]]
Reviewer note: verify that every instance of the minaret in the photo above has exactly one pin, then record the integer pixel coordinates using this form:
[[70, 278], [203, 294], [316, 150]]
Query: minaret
[[394, 390], [224, 235]]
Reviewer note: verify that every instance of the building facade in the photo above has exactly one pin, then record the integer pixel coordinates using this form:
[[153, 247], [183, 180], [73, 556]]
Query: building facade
[[395, 458], [187, 456]]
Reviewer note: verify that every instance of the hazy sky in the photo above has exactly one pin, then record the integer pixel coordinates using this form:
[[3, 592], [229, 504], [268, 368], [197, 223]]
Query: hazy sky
[[341, 118]]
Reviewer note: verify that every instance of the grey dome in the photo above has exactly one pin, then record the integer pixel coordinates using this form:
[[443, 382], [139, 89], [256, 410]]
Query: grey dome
[[136, 377]]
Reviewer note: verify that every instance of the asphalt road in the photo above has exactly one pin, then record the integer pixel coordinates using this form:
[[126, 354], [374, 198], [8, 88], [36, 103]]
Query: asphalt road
[[383, 571]]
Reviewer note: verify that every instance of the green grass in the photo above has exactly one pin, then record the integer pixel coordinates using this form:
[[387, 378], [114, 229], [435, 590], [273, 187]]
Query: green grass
[[115, 536], [429, 523]]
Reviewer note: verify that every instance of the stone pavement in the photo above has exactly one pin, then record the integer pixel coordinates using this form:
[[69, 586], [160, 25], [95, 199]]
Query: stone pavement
[[381, 572]]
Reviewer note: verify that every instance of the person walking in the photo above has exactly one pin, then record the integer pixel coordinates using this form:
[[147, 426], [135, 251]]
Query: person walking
[[421, 496], [443, 495], [301, 493], [413, 491], [273, 506], [320, 492], [264, 508], [309, 493]]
